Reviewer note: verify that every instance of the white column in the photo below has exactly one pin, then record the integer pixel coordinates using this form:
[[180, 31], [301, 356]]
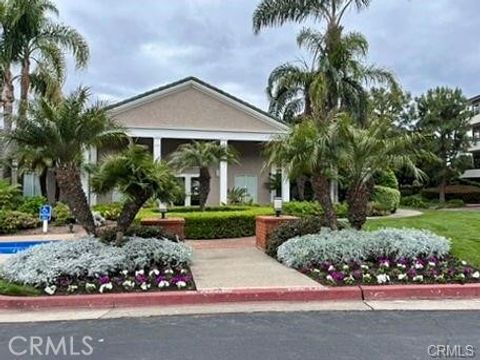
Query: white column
[[90, 157], [157, 148], [223, 177], [285, 186], [188, 191]]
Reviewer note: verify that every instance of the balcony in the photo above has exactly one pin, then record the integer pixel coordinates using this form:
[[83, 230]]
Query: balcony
[[475, 119], [475, 145], [471, 174]]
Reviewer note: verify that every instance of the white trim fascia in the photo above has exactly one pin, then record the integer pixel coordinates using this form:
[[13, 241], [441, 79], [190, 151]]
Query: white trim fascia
[[200, 134], [192, 83]]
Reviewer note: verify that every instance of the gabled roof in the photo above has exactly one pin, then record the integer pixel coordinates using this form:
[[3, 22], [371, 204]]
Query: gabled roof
[[475, 99], [165, 89]]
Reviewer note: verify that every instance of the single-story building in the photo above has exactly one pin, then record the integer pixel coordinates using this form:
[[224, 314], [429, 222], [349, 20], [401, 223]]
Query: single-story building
[[190, 109]]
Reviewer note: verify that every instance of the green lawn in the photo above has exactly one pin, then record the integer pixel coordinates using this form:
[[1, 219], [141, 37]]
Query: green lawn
[[462, 227]]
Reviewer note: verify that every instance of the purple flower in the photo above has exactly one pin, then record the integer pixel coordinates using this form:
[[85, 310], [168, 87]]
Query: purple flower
[[104, 279], [184, 278], [63, 281], [412, 273], [141, 278], [338, 276], [467, 270], [357, 274], [402, 260], [325, 265], [160, 278]]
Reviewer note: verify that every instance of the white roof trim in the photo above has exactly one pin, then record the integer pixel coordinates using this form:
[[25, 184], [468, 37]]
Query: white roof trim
[[211, 92]]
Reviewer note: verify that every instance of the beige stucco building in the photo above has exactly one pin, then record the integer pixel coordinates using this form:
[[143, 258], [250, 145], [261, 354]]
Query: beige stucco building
[[191, 109]]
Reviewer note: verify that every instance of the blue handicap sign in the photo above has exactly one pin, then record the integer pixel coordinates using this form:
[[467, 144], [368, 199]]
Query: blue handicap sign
[[45, 213]]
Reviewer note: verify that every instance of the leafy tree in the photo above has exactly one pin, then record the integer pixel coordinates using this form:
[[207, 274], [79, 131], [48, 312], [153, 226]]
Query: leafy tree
[[139, 177], [443, 118], [59, 133], [393, 105], [202, 155]]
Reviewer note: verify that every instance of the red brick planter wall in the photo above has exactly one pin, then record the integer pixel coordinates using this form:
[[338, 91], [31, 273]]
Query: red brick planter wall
[[265, 225], [171, 225]]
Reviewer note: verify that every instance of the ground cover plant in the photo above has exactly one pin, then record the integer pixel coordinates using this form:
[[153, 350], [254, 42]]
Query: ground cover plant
[[88, 265], [385, 256]]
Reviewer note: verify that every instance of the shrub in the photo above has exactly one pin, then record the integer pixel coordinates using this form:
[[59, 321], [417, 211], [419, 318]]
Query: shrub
[[109, 211], [468, 193], [386, 198], [311, 208], [387, 179], [32, 205], [146, 232], [88, 257], [10, 196], [353, 245], [413, 201], [12, 221], [62, 214], [450, 204]]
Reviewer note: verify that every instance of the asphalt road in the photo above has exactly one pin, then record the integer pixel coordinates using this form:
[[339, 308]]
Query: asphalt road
[[368, 335]]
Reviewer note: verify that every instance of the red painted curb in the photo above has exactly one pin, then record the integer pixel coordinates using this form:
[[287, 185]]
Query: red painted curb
[[429, 291], [181, 298]]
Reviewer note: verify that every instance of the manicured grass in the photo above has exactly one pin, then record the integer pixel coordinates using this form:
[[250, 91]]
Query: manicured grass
[[462, 227], [10, 289]]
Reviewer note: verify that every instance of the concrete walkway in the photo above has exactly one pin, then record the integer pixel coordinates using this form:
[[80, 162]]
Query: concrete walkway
[[236, 263]]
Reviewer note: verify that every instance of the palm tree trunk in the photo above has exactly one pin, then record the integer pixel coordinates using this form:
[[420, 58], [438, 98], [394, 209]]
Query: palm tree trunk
[[24, 83], [300, 182], [357, 200], [69, 181], [8, 97], [129, 210], [204, 186], [321, 188]]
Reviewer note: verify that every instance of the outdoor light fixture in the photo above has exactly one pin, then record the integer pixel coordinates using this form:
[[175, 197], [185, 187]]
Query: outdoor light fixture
[[162, 207], [277, 205]]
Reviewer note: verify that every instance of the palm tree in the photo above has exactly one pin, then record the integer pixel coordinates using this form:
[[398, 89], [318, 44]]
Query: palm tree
[[59, 133], [139, 177], [310, 148], [202, 155], [366, 150]]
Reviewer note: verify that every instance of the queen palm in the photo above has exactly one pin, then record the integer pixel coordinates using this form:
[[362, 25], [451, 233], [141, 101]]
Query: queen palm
[[202, 155], [60, 133], [139, 177], [366, 150]]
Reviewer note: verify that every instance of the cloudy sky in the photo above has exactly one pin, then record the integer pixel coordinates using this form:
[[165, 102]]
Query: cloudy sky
[[139, 45]]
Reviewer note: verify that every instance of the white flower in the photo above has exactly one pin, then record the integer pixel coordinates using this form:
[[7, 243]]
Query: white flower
[[461, 276], [139, 272], [439, 277], [418, 278], [402, 266], [90, 286], [385, 264], [418, 266], [464, 262], [128, 284], [154, 271], [329, 278], [331, 268], [402, 276], [72, 288], [383, 278], [107, 286], [183, 271], [181, 284], [476, 275], [367, 276], [316, 270], [431, 263], [345, 267], [145, 286], [364, 267], [50, 290], [168, 271], [125, 272], [163, 284]]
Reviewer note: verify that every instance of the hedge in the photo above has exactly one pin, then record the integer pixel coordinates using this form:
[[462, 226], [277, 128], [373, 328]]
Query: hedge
[[386, 198], [311, 208], [468, 193]]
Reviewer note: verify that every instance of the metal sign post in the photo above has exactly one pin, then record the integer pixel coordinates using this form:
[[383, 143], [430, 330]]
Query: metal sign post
[[45, 216]]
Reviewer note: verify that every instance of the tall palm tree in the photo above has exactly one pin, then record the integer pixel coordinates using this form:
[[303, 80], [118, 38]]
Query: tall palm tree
[[139, 177], [366, 150], [60, 133], [202, 155], [310, 148]]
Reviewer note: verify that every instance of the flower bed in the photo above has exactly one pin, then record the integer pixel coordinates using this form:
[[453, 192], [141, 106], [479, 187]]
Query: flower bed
[[90, 266], [386, 256]]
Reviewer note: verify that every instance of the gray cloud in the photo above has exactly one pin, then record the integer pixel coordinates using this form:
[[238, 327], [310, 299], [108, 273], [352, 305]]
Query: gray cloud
[[138, 45]]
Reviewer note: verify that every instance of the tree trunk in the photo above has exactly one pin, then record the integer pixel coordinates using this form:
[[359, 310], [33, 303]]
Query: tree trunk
[[357, 200], [204, 187], [24, 84], [69, 181], [8, 97], [51, 186], [443, 185], [300, 182], [42, 178], [129, 210], [321, 188]]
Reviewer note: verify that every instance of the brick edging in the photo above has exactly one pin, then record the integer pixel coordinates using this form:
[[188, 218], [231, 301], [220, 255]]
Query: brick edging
[[202, 297]]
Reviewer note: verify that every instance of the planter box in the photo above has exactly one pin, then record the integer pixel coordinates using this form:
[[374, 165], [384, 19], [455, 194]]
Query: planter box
[[171, 225], [265, 225]]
